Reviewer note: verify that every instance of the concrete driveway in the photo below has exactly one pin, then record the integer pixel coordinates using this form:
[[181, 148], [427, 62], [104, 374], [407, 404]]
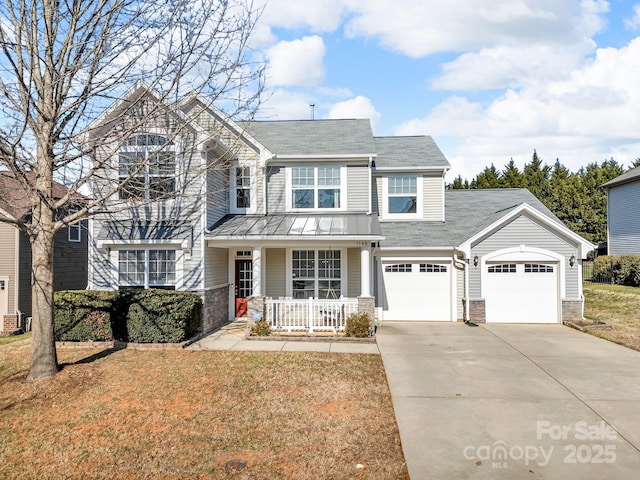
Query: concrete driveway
[[512, 401]]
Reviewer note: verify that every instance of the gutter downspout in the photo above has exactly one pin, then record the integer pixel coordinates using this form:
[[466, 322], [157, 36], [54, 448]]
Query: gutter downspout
[[465, 268]]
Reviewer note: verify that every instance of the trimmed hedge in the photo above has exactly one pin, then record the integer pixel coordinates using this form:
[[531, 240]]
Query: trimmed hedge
[[162, 316], [83, 315], [618, 269], [143, 316]]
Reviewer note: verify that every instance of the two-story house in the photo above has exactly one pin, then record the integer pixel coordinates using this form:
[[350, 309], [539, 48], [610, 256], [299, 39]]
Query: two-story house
[[311, 220], [70, 254], [623, 216]]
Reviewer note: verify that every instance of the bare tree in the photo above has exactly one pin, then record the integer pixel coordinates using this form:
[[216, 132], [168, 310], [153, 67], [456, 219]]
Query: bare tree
[[62, 62]]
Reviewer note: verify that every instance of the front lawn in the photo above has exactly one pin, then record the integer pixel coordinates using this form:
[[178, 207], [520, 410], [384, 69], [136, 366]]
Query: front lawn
[[618, 306], [185, 414], [14, 338]]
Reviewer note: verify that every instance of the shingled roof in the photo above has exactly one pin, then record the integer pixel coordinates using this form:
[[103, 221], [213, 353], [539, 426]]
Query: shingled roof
[[627, 177], [314, 137], [405, 152], [467, 212], [14, 199]]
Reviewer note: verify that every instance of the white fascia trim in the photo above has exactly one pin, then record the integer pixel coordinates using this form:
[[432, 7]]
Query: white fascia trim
[[365, 157], [184, 244], [411, 169], [324, 239], [218, 114], [425, 249], [4, 213], [584, 245]]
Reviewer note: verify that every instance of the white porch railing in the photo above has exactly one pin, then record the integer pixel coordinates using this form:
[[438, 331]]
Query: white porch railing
[[309, 314]]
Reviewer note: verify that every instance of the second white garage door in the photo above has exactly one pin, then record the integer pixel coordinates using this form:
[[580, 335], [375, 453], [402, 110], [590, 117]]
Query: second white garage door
[[417, 291], [520, 292]]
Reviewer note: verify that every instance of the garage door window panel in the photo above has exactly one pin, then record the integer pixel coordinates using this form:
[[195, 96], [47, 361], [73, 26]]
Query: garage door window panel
[[432, 268], [537, 268], [503, 268], [398, 268]]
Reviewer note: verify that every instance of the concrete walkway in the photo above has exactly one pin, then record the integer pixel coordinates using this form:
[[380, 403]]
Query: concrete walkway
[[232, 337], [512, 401]]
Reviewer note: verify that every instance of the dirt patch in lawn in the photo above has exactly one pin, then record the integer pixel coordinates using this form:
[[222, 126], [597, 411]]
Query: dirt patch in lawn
[[185, 414], [618, 307]]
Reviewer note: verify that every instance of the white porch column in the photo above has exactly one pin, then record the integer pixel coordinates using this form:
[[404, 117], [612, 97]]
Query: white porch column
[[365, 271], [257, 270]]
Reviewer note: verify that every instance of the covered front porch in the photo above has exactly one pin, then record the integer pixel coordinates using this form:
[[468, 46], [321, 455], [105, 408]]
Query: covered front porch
[[306, 280]]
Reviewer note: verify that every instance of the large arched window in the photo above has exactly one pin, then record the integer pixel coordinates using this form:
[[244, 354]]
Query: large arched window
[[146, 166]]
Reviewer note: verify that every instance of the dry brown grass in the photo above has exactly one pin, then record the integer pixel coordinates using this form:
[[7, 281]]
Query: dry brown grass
[[183, 414], [618, 306]]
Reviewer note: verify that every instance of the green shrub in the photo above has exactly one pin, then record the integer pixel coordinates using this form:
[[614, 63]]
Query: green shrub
[[261, 329], [358, 325], [83, 315], [618, 269], [159, 316]]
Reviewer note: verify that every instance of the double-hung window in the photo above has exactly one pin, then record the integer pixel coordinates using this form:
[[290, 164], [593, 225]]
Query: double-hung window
[[241, 190], [147, 268], [74, 230], [316, 273], [316, 187], [146, 167], [403, 196]]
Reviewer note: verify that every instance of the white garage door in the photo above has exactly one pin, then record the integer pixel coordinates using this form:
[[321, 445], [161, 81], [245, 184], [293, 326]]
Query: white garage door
[[521, 292], [417, 291]]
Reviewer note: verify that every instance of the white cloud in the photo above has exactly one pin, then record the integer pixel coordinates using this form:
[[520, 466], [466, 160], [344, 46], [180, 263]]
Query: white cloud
[[316, 15], [358, 107], [633, 23], [586, 117], [420, 29], [286, 105], [296, 63]]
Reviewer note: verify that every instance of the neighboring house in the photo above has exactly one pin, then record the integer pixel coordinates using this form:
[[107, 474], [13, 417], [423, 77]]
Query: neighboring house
[[623, 215], [70, 255], [315, 219]]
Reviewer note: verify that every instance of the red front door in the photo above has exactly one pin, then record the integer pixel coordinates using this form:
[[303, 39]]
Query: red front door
[[244, 285]]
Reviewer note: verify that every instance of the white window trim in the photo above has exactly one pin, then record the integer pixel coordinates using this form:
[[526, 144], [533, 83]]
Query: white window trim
[[419, 199], [114, 258], [173, 147], [74, 227], [343, 269], [253, 189], [289, 189]]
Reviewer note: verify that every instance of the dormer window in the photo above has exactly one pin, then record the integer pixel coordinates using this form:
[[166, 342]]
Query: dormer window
[[317, 188], [147, 166], [403, 196]]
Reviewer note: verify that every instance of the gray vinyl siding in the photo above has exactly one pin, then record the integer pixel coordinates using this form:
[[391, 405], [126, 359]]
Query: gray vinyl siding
[[276, 194], [623, 219], [275, 266], [353, 272], [217, 195], [433, 197], [460, 272], [216, 270], [524, 230], [8, 261], [358, 188], [70, 261], [24, 275], [376, 192]]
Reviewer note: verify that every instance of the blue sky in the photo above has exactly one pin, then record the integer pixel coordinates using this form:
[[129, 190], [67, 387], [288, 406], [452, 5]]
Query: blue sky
[[490, 80]]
